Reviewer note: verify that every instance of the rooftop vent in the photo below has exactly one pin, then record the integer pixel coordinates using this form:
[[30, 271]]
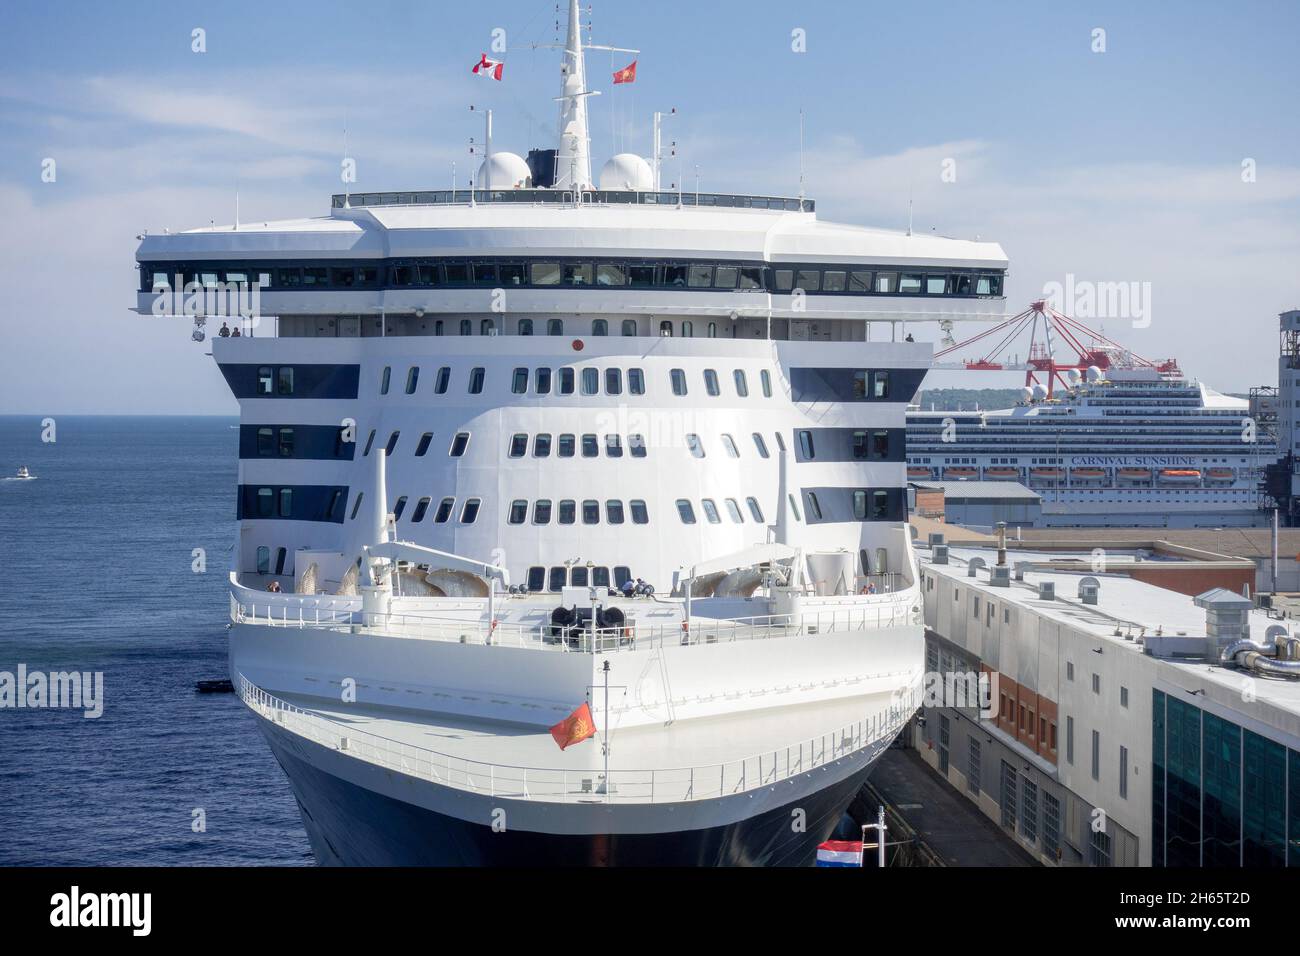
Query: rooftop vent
[[936, 537], [1089, 588], [1047, 590], [1000, 576], [1020, 568], [939, 554], [1227, 616], [975, 565]]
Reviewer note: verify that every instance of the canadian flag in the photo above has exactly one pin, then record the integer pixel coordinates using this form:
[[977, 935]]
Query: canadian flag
[[486, 67]]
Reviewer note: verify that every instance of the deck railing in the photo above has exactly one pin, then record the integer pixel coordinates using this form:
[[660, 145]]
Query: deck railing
[[669, 785], [887, 611]]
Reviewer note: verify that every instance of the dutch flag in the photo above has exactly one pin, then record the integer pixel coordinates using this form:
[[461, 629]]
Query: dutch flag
[[840, 853]]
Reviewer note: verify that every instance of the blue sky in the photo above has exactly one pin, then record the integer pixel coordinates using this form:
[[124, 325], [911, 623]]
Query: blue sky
[[1122, 166]]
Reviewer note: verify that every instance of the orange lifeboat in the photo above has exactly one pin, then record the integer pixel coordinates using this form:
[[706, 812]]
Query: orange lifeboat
[[1220, 474], [1047, 474], [1134, 474], [916, 471], [1002, 472], [961, 474], [1088, 474], [1180, 476]]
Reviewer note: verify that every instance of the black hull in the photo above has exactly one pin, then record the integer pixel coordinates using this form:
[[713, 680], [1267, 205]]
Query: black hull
[[351, 825]]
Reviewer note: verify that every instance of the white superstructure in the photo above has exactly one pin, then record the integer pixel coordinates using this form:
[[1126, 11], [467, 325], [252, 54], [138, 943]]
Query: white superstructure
[[469, 419]]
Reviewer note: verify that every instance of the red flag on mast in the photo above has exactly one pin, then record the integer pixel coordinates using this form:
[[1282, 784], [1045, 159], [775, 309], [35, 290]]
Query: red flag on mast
[[627, 74], [575, 728]]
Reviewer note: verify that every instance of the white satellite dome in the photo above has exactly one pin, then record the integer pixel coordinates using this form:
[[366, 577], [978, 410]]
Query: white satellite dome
[[1072, 376], [1040, 391], [1094, 373], [1026, 395], [509, 171], [626, 171]]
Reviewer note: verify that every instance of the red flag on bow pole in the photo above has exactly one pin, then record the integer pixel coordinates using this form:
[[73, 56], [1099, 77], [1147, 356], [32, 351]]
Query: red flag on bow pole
[[575, 728], [627, 74]]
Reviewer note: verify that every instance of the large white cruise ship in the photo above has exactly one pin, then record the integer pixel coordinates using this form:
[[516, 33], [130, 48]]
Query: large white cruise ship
[[1123, 444], [471, 421]]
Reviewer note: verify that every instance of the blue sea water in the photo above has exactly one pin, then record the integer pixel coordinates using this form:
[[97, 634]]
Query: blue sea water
[[96, 575]]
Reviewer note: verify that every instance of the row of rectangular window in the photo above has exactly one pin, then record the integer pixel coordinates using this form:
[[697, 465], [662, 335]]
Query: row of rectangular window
[[584, 381], [567, 511], [442, 514], [578, 576], [568, 444], [690, 275]]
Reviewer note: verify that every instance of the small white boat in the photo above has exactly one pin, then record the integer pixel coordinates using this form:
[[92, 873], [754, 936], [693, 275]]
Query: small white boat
[[23, 472]]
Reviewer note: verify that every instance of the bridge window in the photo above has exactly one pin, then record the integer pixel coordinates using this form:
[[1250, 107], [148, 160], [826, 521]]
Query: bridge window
[[466, 327], [806, 444], [666, 328], [679, 381], [600, 578], [542, 445], [568, 511], [459, 444], [421, 509], [639, 513], [263, 560], [590, 381], [688, 329], [614, 511], [686, 511], [546, 273], [988, 285], [412, 377], [599, 327], [726, 277], [476, 376], [443, 514], [485, 273], [519, 381], [711, 383], [729, 443], [590, 447], [810, 280], [754, 510], [590, 511], [567, 446], [702, 276], [733, 509], [559, 578], [833, 281], [542, 511], [712, 331], [742, 386], [487, 327], [642, 275], [859, 282], [542, 381], [613, 381], [765, 379], [784, 279], [369, 442], [518, 445], [266, 441], [554, 326], [284, 381], [636, 445], [879, 384], [265, 502], [578, 576], [860, 505], [384, 379], [399, 508], [356, 502], [711, 511], [936, 285], [880, 504], [695, 445], [909, 283], [457, 273], [761, 446], [518, 511], [609, 274], [613, 446], [629, 326], [794, 507], [392, 443], [575, 273], [887, 282], [525, 326], [635, 381], [265, 380], [536, 578], [442, 380], [751, 277], [675, 276], [439, 327], [469, 514], [566, 381]]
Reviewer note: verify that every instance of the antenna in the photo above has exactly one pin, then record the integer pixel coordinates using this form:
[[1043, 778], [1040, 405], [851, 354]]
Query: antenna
[[656, 159], [909, 208], [346, 203], [801, 157], [236, 207]]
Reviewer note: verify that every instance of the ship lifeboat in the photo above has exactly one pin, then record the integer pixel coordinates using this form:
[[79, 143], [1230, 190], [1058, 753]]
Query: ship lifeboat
[[1180, 476], [1047, 474], [1002, 473], [918, 472], [1087, 474], [1134, 474], [961, 474], [1220, 474]]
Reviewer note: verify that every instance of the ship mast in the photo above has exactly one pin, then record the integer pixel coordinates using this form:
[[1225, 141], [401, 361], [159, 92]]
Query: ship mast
[[573, 160]]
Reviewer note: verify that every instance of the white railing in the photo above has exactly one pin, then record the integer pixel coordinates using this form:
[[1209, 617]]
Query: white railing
[[673, 785], [859, 616]]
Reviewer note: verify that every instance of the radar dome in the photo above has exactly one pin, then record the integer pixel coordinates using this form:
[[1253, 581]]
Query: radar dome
[[508, 171], [1072, 376], [626, 171], [1094, 373], [1026, 395], [1040, 391]]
